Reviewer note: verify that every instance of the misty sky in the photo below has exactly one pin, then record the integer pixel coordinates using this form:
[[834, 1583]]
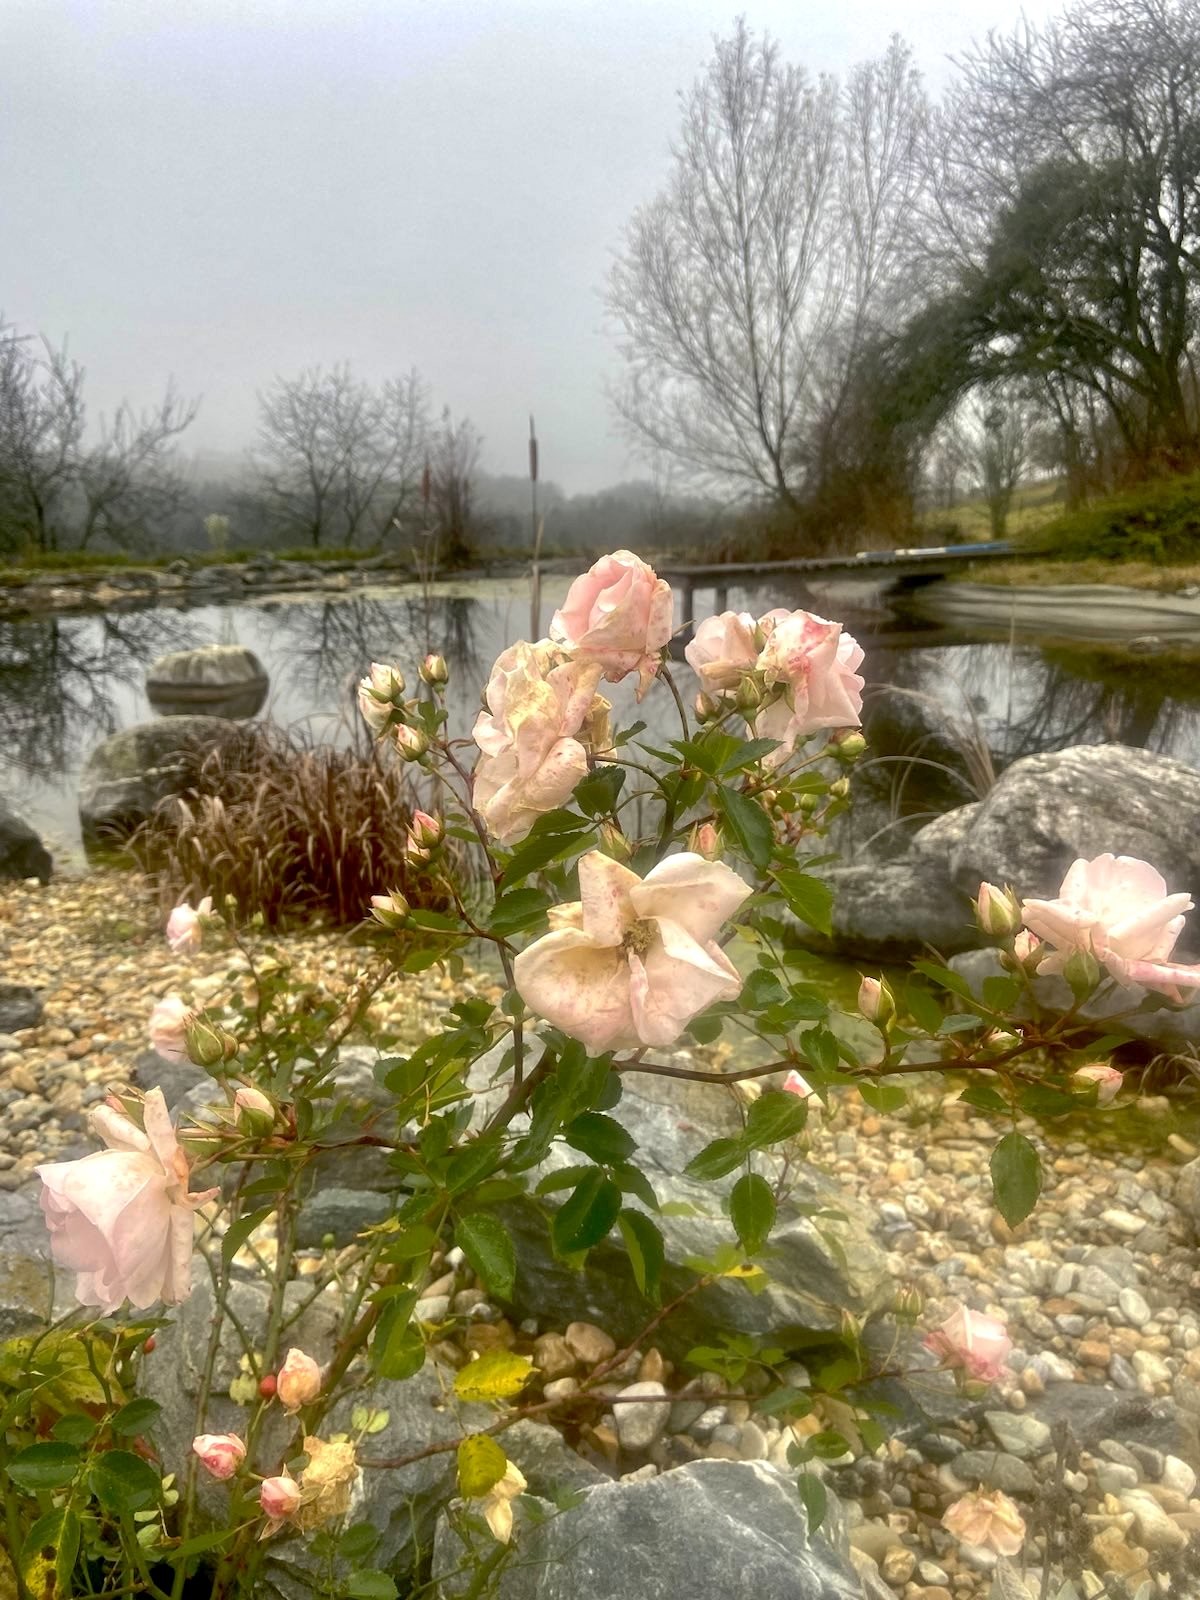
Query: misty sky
[[224, 190]]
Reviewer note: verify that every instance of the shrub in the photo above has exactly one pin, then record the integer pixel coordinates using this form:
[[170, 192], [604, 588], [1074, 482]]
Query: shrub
[[291, 829], [1156, 522]]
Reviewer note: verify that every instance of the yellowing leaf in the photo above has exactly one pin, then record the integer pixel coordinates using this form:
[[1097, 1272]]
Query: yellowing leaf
[[754, 1278], [498, 1375], [481, 1465]]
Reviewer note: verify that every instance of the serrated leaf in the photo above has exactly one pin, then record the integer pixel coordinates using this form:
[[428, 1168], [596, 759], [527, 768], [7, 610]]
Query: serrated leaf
[[884, 1097], [775, 1115], [485, 1242], [717, 1159], [819, 1047], [1001, 993], [647, 1255], [813, 1498], [1043, 1100], [481, 1465], [945, 978], [597, 793], [136, 1417], [497, 1375], [752, 1211], [1016, 1177], [369, 1584], [600, 1137], [397, 1349], [124, 1483], [517, 910], [239, 1231], [810, 899], [923, 1008], [983, 1097], [49, 1553], [586, 1217], [48, 1465], [749, 825]]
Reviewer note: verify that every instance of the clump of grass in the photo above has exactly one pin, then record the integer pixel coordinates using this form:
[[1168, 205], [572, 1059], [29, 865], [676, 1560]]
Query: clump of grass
[[1155, 522], [294, 831]]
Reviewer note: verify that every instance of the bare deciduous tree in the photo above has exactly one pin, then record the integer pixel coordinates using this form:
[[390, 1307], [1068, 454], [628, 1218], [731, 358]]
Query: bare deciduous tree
[[129, 484], [41, 429], [338, 461], [748, 288]]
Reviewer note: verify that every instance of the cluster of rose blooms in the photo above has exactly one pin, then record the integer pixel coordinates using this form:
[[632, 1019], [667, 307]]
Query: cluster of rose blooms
[[629, 964]]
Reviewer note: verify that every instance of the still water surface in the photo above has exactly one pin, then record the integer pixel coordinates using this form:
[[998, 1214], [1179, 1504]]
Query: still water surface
[[66, 683]]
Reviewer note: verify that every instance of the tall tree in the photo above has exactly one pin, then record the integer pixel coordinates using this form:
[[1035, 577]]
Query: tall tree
[[41, 432], [749, 288]]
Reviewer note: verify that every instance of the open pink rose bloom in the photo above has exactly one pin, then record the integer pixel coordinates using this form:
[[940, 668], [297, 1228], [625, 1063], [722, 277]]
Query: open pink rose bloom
[[976, 1343], [121, 1219], [619, 615], [537, 703], [987, 1521], [635, 959], [816, 665], [1118, 908]]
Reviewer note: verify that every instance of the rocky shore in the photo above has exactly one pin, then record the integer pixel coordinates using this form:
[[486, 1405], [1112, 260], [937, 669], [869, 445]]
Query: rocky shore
[[1094, 1429]]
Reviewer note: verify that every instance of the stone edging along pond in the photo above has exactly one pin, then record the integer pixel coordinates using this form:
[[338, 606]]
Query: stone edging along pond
[[1070, 610]]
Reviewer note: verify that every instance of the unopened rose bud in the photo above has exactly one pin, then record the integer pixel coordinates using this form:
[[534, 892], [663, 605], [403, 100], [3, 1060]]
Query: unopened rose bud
[[379, 693], [298, 1380], [221, 1454], [998, 911], [808, 803], [850, 746], [434, 671], [426, 831], [1103, 1076], [1001, 1039], [1027, 948], [416, 854], [839, 789], [390, 910], [705, 840], [770, 798], [205, 1043], [706, 708], [876, 1001], [1082, 972], [253, 1112], [909, 1304], [412, 743], [279, 1498], [749, 697], [614, 843]]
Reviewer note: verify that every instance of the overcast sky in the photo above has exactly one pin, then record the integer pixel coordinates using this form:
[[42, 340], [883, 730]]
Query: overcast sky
[[225, 190]]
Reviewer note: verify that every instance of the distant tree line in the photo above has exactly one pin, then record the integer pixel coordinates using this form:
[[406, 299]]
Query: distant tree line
[[847, 299]]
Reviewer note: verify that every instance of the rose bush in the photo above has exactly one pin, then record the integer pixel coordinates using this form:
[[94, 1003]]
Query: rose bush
[[632, 895]]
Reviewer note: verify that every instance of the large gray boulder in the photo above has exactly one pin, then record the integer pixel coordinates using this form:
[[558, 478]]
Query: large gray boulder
[[22, 853], [1048, 809], [222, 680], [125, 777], [708, 1531]]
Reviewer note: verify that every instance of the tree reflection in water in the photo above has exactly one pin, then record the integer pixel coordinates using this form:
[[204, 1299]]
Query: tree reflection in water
[[61, 680]]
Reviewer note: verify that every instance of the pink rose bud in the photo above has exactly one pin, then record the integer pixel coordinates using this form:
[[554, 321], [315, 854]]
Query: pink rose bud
[[978, 1344], [614, 843], [706, 708], [253, 1112], [1026, 946], [876, 1001], [379, 693], [207, 1044], [279, 1499], [391, 910], [1105, 1077], [795, 1084], [706, 841], [998, 910], [298, 1380], [426, 830], [221, 1454], [412, 743], [434, 671], [849, 746], [168, 1028], [185, 926]]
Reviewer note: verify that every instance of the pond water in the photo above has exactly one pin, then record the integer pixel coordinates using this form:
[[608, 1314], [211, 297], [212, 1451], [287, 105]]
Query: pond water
[[68, 682]]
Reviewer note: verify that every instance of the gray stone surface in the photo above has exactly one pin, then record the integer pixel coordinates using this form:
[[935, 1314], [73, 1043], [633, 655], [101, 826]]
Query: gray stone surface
[[818, 1268], [126, 776], [1094, 1413], [20, 1006], [887, 909], [707, 1531], [222, 680], [22, 853]]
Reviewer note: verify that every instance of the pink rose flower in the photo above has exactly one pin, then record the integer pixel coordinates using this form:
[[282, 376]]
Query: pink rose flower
[[722, 649], [635, 960], [978, 1344], [619, 614], [121, 1219], [537, 702], [379, 693], [253, 1112], [998, 911], [185, 926], [987, 1521], [168, 1028], [298, 1381], [796, 1084], [814, 665], [279, 1498], [1118, 908], [1106, 1078], [221, 1454]]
